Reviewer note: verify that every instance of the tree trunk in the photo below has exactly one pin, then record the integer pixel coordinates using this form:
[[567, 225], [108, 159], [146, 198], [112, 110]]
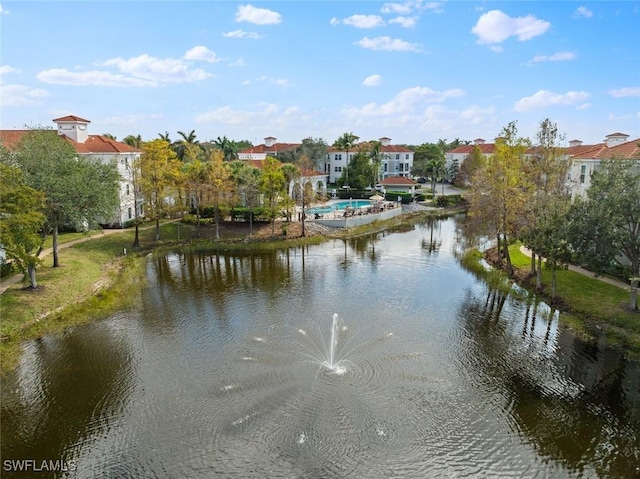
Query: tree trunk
[[157, 229], [251, 222], [499, 249], [507, 256], [136, 239], [198, 220], [633, 294], [56, 260], [217, 218], [553, 283], [533, 262], [539, 274], [31, 270]]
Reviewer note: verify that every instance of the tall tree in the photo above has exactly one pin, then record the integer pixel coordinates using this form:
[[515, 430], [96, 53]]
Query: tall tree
[[292, 175], [377, 156], [547, 170], [77, 190], [196, 176], [247, 181], [471, 164], [133, 140], [272, 186], [501, 189], [422, 155], [346, 143], [436, 169], [305, 196], [361, 171], [608, 228], [21, 220], [187, 147], [159, 167], [221, 184], [315, 149], [228, 147]]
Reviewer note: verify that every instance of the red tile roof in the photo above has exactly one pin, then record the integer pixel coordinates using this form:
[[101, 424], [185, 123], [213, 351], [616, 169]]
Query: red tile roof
[[71, 118], [264, 149], [94, 143], [629, 149], [485, 149], [398, 180]]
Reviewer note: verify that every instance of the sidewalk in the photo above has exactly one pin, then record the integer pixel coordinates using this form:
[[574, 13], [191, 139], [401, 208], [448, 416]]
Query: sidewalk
[[585, 272]]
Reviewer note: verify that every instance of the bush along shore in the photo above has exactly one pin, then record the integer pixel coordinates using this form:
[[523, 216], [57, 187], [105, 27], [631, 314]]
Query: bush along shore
[[590, 307]]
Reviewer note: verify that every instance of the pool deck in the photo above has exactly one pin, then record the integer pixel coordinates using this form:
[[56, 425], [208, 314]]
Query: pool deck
[[351, 217]]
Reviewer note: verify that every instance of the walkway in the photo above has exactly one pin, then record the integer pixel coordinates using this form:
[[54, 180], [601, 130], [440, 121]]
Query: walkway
[[8, 282], [585, 272]]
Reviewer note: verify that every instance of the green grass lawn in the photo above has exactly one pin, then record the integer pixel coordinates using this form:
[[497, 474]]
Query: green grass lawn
[[595, 302]]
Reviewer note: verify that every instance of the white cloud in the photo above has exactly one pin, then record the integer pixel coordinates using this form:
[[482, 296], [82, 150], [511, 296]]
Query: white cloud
[[388, 44], [265, 112], [556, 57], [164, 70], [3, 11], [496, 26], [201, 53], [62, 76], [238, 63], [20, 95], [405, 22], [6, 69], [360, 21], [242, 34], [625, 92], [406, 102], [582, 12], [257, 16], [373, 80], [402, 8], [407, 7], [545, 98]]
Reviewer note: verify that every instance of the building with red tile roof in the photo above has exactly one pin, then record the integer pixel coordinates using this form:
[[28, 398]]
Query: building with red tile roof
[[74, 130], [586, 159], [396, 160]]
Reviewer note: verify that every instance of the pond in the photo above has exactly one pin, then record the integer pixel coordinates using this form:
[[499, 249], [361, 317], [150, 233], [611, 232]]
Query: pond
[[374, 357]]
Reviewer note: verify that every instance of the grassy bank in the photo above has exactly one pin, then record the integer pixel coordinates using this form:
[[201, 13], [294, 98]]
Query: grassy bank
[[593, 306]]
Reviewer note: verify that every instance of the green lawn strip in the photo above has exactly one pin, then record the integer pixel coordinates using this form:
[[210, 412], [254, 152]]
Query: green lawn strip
[[597, 304]]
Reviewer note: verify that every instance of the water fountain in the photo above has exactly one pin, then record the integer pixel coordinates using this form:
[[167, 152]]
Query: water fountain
[[327, 354]]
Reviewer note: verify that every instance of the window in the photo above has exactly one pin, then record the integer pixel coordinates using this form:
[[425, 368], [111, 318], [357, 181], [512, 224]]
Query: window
[[128, 190], [338, 169], [385, 167], [583, 172], [397, 156], [401, 167], [406, 156], [406, 167], [129, 213], [338, 157]]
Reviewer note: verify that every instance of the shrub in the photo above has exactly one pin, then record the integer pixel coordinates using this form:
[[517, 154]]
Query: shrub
[[393, 196]]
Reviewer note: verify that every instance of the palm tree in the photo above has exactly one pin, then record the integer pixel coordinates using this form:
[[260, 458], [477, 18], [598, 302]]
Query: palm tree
[[164, 137], [229, 148], [134, 141], [437, 170], [346, 142], [376, 158], [188, 146]]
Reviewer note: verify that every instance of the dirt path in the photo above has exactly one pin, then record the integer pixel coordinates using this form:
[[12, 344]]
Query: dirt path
[[578, 269]]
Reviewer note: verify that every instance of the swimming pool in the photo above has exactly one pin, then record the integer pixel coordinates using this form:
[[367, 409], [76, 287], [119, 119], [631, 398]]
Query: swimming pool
[[339, 205]]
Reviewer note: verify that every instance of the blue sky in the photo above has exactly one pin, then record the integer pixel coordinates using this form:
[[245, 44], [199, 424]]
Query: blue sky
[[412, 71]]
